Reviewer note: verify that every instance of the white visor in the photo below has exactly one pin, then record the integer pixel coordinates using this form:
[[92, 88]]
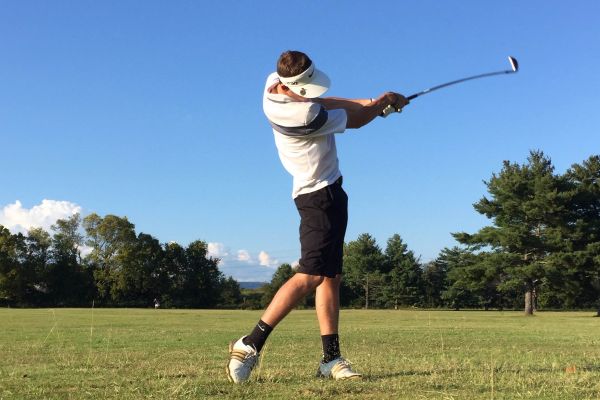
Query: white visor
[[310, 83]]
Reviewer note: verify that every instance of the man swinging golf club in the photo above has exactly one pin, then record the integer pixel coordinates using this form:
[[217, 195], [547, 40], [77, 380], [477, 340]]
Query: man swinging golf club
[[304, 125]]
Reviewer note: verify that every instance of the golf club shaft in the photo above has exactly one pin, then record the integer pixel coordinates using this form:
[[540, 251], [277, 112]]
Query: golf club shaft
[[514, 68], [412, 96]]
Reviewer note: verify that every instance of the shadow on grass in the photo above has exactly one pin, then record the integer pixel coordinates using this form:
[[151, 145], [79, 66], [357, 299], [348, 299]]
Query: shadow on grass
[[379, 377], [383, 376]]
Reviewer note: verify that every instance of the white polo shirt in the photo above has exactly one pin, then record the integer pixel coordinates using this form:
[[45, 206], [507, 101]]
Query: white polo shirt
[[304, 136]]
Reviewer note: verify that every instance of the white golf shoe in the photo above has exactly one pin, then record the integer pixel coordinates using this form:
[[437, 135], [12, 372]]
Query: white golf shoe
[[337, 369], [242, 359]]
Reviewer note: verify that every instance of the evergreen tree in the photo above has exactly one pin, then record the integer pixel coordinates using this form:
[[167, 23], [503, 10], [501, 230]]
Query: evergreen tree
[[459, 291], [404, 285], [580, 265], [364, 266], [434, 283], [527, 207]]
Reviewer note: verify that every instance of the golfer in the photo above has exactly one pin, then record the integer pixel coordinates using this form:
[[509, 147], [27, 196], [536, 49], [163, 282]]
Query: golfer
[[304, 125]]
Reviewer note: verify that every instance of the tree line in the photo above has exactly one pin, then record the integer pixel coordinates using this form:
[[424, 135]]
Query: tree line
[[541, 250], [122, 269]]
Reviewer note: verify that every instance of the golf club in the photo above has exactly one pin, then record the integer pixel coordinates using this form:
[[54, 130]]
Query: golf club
[[514, 68]]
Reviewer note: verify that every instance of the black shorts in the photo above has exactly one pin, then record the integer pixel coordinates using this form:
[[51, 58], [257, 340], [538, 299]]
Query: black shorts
[[323, 220]]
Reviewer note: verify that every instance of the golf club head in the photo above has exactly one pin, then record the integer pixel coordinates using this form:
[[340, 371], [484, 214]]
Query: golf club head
[[513, 63]]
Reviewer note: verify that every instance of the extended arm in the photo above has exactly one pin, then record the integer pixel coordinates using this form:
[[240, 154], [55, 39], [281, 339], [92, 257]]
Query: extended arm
[[362, 111]]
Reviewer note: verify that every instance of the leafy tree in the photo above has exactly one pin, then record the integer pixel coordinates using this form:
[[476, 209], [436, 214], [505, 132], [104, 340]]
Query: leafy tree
[[12, 274], [67, 282], [172, 276], [230, 293], [36, 260], [202, 278], [111, 240], [23, 263], [121, 269], [138, 281], [189, 278], [252, 299], [283, 273]]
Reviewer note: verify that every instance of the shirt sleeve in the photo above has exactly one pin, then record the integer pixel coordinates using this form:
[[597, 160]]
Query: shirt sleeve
[[335, 122], [319, 122]]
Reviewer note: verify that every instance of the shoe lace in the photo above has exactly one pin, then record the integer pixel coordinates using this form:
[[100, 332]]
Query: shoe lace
[[252, 358], [249, 358], [342, 365]]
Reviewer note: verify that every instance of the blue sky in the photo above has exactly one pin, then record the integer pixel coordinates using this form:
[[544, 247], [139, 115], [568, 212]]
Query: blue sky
[[152, 110]]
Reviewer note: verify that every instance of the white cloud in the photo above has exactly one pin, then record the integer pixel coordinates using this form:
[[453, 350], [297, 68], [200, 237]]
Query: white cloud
[[265, 259], [85, 250], [244, 272], [19, 219], [217, 250], [242, 264], [243, 255]]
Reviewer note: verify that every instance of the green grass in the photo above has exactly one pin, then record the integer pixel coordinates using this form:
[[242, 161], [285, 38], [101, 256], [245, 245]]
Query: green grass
[[177, 354]]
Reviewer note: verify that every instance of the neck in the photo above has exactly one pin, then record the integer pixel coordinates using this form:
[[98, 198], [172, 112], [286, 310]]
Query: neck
[[277, 88]]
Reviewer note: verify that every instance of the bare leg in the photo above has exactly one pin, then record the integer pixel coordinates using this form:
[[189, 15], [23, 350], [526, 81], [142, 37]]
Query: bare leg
[[289, 295], [327, 303]]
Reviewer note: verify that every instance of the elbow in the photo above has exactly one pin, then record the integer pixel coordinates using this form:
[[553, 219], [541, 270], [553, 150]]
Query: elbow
[[355, 123], [350, 126], [359, 119]]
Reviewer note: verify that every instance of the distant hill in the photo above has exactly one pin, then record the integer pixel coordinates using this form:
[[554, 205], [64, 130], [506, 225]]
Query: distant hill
[[251, 285]]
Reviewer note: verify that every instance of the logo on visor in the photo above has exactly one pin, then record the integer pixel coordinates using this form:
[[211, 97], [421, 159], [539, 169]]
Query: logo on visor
[[302, 92], [301, 79]]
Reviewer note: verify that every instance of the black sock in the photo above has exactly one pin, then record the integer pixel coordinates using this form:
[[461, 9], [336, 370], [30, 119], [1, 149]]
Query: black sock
[[331, 347], [258, 336]]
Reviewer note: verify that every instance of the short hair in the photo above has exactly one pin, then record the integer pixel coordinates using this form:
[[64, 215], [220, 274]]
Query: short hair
[[292, 63]]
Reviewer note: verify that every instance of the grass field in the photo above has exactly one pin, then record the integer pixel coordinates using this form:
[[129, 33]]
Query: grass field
[[180, 354]]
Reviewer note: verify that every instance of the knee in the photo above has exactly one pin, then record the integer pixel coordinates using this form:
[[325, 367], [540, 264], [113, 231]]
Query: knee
[[310, 282], [333, 282]]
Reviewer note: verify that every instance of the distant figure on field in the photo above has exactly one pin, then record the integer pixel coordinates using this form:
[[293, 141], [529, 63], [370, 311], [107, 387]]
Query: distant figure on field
[[156, 304]]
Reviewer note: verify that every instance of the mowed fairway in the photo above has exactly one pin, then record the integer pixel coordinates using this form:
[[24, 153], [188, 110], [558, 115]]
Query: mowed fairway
[[180, 354]]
